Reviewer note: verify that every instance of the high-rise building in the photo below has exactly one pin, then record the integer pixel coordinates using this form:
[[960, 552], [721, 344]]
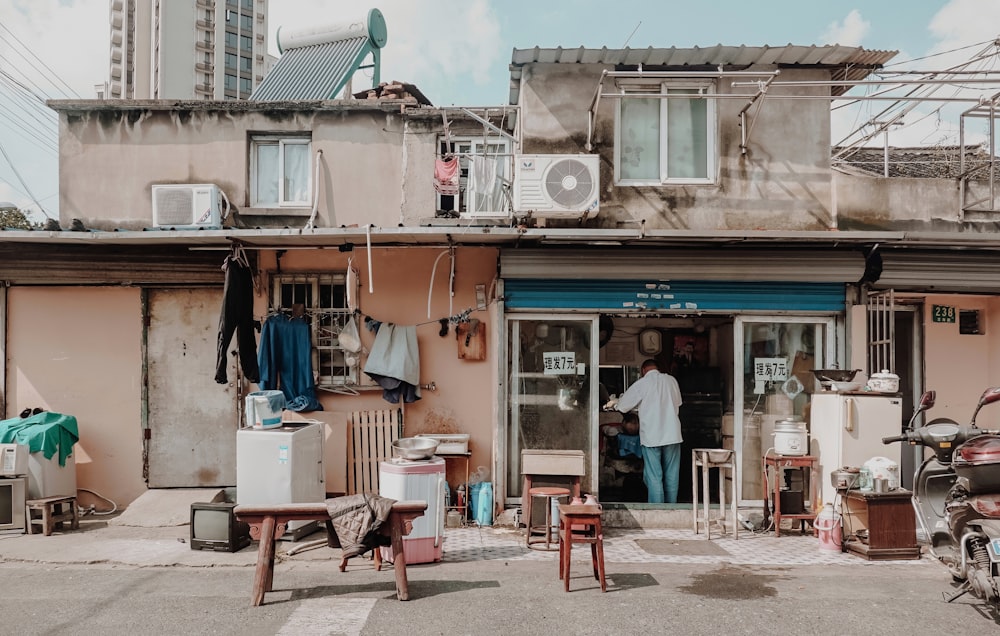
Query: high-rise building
[[187, 49]]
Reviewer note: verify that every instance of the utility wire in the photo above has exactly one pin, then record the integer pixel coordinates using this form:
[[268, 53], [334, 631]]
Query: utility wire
[[69, 89], [28, 132], [23, 184]]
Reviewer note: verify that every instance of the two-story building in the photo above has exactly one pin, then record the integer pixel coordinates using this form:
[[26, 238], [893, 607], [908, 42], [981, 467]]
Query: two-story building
[[676, 204]]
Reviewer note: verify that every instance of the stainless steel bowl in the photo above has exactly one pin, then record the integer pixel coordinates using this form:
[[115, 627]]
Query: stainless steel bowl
[[415, 447]]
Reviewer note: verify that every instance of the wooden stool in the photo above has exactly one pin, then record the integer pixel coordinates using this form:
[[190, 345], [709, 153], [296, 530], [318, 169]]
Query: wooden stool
[[53, 514], [587, 516], [548, 493]]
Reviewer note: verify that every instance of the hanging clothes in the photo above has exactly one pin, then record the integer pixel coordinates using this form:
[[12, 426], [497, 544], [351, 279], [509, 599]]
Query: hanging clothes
[[394, 363], [237, 315], [446, 176], [285, 361]]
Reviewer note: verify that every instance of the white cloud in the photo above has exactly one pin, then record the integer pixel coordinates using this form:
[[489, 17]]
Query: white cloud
[[850, 32], [963, 22]]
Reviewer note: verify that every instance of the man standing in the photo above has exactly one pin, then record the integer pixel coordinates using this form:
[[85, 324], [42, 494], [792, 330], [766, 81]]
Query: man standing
[[658, 399]]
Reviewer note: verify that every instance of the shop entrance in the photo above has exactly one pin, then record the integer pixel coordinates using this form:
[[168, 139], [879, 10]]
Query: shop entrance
[[729, 400], [698, 353]]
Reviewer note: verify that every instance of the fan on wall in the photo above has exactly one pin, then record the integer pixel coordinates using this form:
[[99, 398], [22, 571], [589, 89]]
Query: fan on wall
[[569, 183]]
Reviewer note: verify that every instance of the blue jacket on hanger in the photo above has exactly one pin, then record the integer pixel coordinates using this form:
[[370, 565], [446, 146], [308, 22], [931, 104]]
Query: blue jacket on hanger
[[285, 361]]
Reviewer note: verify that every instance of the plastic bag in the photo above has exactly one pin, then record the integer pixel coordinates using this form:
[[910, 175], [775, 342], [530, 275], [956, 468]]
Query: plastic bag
[[349, 337], [482, 474]]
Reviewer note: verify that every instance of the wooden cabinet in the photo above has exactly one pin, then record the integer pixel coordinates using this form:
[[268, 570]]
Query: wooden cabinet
[[880, 526]]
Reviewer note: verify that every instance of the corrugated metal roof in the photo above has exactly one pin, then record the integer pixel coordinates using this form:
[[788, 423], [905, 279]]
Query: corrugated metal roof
[[854, 62], [313, 72]]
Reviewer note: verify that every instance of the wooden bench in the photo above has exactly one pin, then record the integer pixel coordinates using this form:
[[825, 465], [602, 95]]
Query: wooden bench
[[268, 523]]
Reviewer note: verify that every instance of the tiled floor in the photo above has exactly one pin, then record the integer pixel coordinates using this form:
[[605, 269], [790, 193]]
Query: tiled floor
[[620, 546]]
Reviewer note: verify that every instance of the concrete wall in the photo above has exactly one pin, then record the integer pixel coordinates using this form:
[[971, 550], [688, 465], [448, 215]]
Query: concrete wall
[[110, 157], [465, 399], [77, 351], [876, 203], [960, 367], [783, 182]]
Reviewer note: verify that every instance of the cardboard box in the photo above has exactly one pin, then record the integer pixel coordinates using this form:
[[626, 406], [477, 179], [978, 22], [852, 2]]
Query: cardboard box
[[334, 446]]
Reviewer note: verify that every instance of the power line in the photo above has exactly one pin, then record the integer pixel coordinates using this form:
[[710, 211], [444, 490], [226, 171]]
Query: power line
[[21, 180], [51, 72]]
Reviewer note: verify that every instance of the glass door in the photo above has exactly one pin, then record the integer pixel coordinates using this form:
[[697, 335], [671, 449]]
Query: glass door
[[552, 391], [773, 367]]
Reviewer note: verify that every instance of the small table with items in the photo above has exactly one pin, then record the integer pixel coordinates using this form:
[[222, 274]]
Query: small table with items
[[880, 526], [774, 467]]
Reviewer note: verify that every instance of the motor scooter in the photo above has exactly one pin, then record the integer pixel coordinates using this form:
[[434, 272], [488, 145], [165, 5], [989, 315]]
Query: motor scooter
[[956, 496]]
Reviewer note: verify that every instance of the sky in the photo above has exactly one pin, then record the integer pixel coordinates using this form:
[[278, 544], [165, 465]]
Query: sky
[[458, 51]]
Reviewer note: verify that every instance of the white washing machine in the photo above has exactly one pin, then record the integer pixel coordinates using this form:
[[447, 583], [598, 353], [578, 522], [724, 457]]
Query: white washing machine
[[423, 480]]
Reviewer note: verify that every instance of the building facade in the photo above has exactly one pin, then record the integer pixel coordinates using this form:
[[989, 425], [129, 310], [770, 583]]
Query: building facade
[[656, 203], [200, 49]]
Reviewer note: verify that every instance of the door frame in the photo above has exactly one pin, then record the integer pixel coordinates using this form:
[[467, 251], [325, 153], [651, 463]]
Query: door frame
[[833, 351], [508, 358]]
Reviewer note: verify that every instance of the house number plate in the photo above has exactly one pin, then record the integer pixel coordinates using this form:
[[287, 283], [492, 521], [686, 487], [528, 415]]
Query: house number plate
[[942, 313]]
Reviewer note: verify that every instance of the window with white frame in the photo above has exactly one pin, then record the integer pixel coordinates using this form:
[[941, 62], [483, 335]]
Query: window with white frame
[[667, 137], [324, 301], [280, 174], [485, 181]]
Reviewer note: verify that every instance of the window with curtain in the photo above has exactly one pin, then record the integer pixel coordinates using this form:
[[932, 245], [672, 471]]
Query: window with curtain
[[667, 139], [280, 174]]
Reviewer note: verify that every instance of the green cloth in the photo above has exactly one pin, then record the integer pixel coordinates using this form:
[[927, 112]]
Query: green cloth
[[47, 432]]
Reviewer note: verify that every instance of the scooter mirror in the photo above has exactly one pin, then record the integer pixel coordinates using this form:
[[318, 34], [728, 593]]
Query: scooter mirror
[[927, 400], [990, 396]]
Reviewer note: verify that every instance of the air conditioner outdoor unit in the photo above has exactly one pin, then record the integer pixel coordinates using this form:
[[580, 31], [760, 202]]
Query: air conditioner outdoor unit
[[187, 206], [557, 186]]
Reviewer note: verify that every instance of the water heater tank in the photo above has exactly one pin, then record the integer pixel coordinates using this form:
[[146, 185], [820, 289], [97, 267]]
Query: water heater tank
[[371, 26]]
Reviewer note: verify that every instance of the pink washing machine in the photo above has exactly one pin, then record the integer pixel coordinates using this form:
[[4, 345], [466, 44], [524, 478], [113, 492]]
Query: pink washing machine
[[422, 480]]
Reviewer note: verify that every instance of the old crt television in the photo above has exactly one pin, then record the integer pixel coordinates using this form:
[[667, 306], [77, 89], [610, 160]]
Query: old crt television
[[13, 460], [13, 492], [215, 527]]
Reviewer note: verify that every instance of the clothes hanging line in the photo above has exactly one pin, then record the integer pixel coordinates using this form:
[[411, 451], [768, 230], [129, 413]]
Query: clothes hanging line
[[461, 317]]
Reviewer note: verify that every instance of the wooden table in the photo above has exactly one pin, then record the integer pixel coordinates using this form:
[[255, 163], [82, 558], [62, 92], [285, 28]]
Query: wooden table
[[268, 523], [775, 464]]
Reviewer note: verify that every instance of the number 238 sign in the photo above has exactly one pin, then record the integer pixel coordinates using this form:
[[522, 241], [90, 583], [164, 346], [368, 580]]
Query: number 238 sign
[[942, 313]]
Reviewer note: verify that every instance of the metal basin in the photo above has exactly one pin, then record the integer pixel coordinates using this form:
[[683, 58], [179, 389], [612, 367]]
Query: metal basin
[[835, 375], [415, 447]]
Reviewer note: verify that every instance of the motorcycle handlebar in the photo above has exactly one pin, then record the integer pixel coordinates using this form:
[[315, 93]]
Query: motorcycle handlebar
[[894, 438]]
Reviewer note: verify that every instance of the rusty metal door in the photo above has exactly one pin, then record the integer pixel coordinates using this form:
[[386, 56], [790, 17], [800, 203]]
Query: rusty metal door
[[192, 420]]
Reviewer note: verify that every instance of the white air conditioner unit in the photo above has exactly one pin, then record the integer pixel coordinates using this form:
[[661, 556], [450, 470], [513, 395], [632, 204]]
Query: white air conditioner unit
[[557, 186], [187, 206]]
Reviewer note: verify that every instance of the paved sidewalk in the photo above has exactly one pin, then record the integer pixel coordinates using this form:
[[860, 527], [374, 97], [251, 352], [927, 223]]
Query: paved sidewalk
[[99, 542]]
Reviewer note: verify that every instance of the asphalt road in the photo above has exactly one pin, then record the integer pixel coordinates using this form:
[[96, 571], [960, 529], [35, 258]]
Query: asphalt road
[[487, 597]]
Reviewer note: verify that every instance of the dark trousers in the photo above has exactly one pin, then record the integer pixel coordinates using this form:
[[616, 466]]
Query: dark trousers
[[237, 315]]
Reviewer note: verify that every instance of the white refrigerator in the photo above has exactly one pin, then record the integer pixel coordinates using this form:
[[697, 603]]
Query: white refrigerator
[[281, 465], [846, 429]]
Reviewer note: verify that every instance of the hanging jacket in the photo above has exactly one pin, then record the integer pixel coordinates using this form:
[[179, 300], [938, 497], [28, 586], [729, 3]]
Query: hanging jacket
[[285, 361]]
